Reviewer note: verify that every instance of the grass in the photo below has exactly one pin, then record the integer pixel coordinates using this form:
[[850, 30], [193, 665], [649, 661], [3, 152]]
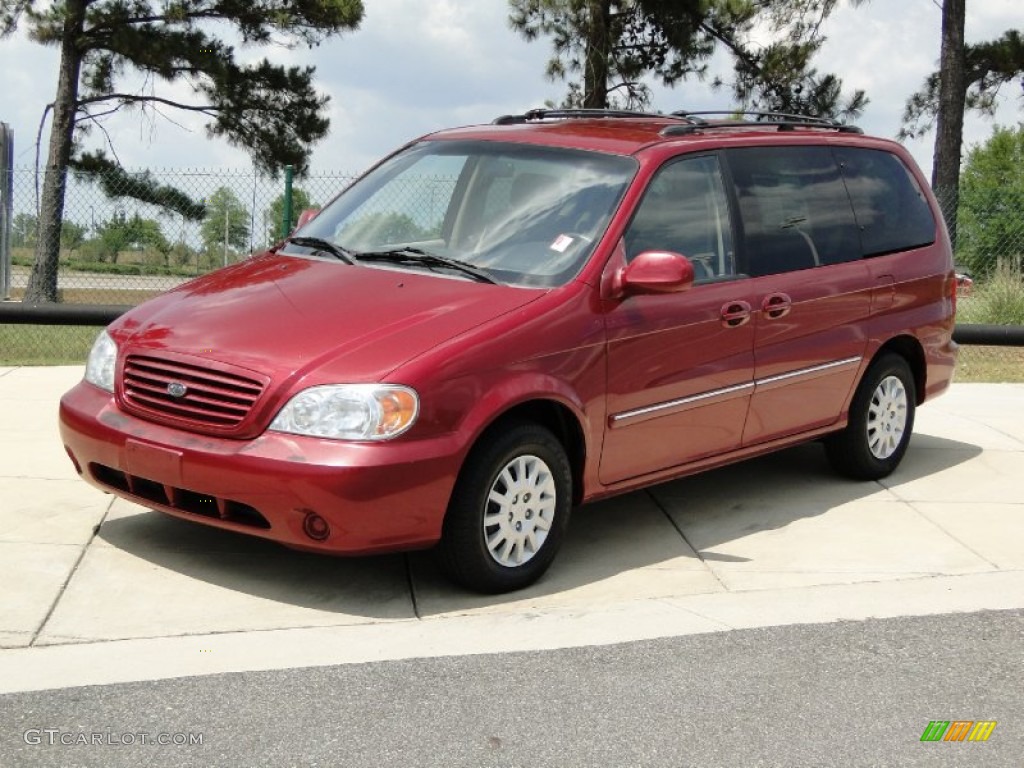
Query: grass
[[45, 344], [992, 364]]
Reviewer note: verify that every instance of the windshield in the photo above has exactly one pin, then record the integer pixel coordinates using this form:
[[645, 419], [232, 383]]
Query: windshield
[[526, 215]]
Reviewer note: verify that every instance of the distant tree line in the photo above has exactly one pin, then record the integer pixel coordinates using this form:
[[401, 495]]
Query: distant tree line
[[224, 233]]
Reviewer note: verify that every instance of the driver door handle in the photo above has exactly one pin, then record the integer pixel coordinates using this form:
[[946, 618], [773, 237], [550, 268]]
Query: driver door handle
[[735, 314], [776, 305]]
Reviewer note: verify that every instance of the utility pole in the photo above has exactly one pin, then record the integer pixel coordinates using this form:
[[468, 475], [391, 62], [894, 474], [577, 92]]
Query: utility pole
[[227, 220]]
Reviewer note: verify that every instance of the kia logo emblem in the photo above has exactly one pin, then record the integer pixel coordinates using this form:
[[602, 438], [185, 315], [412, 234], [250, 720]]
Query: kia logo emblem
[[176, 389]]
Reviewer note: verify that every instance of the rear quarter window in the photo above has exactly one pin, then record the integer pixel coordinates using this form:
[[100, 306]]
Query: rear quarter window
[[892, 212]]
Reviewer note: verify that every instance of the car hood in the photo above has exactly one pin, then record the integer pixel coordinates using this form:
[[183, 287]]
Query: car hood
[[286, 317]]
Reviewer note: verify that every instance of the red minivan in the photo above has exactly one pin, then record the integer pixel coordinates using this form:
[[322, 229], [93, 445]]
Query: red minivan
[[498, 323]]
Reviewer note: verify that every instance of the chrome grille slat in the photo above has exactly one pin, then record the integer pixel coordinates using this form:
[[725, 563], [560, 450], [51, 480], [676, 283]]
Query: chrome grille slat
[[177, 370], [214, 399], [193, 384], [185, 412], [160, 394]]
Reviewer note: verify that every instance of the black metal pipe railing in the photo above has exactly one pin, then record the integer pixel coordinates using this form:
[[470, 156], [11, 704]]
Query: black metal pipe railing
[[16, 313], [990, 335]]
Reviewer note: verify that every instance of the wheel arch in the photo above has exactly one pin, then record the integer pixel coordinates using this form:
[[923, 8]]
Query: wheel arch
[[910, 349], [554, 416]]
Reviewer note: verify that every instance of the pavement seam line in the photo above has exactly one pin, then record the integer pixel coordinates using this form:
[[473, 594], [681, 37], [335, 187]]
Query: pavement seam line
[[76, 641], [682, 535], [912, 505], [994, 428], [71, 575], [672, 603], [951, 535]]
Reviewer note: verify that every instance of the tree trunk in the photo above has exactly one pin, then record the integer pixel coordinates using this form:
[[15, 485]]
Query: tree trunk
[[949, 124], [42, 282], [595, 76]]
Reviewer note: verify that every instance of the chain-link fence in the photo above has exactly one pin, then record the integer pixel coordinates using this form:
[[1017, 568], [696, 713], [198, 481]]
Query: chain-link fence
[[988, 230], [116, 249], [989, 257]]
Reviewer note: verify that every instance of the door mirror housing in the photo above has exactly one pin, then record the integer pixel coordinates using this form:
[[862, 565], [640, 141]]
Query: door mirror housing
[[653, 272]]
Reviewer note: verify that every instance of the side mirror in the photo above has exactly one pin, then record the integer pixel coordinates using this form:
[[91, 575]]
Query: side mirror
[[306, 216], [654, 272]]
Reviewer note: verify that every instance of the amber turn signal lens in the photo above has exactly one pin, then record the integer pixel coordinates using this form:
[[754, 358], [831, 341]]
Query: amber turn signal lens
[[398, 410]]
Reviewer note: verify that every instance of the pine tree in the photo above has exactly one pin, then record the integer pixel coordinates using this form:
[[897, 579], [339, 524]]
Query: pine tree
[[969, 79], [605, 49]]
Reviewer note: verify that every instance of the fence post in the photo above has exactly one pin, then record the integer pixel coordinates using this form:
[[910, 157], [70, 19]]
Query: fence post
[[286, 216], [6, 207]]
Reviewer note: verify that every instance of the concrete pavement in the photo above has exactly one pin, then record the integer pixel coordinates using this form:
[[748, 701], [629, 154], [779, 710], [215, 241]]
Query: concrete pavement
[[96, 590]]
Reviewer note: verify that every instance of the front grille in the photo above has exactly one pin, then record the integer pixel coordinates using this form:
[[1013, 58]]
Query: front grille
[[179, 498], [216, 399]]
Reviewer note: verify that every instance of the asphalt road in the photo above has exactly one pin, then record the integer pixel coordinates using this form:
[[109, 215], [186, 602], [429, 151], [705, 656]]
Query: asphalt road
[[845, 694]]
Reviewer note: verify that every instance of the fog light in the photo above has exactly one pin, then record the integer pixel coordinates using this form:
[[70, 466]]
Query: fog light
[[316, 527]]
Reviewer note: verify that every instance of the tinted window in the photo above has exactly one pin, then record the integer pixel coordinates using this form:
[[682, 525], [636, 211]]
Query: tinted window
[[794, 207], [685, 210], [890, 208]]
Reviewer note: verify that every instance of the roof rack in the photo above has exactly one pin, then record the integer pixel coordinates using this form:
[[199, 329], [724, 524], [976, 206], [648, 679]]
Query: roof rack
[[782, 121], [688, 122], [562, 114]]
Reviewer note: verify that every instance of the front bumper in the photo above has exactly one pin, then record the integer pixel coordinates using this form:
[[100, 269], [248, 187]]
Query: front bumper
[[375, 497]]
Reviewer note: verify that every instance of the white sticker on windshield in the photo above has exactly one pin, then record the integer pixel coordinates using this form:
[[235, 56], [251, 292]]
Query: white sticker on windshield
[[562, 242]]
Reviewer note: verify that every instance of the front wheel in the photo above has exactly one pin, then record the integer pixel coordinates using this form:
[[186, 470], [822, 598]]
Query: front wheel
[[508, 512], [880, 423]]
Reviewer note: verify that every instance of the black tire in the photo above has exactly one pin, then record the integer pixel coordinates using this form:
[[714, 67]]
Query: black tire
[[464, 552], [872, 446]]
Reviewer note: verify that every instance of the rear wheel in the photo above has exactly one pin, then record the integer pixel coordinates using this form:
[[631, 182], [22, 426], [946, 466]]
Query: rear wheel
[[880, 423], [508, 512]]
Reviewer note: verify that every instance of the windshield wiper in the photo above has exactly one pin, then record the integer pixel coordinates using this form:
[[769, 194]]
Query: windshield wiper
[[413, 255], [319, 244]]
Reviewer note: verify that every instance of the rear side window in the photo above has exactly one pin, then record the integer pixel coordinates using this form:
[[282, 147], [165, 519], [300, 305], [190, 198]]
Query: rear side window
[[795, 211], [891, 210]]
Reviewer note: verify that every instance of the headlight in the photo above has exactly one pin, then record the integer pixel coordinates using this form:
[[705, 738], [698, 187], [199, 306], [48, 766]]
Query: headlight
[[99, 369], [350, 412]]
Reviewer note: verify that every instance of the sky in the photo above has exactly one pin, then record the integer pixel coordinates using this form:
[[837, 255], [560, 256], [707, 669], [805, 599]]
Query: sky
[[416, 66]]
